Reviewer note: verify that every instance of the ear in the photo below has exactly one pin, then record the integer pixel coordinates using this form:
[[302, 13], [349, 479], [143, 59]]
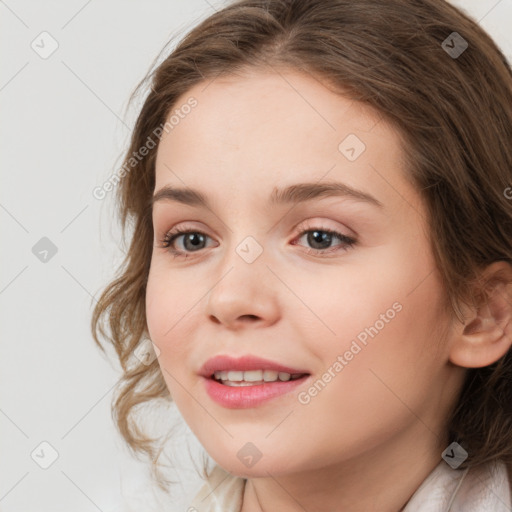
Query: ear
[[487, 334]]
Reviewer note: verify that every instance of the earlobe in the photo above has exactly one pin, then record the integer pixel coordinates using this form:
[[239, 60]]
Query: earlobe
[[488, 335]]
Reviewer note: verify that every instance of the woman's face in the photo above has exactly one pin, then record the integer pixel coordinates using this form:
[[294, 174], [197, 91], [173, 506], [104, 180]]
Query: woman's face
[[358, 312]]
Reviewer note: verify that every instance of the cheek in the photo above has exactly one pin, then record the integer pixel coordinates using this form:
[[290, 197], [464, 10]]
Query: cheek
[[156, 299], [358, 302], [167, 308], [380, 381], [383, 314]]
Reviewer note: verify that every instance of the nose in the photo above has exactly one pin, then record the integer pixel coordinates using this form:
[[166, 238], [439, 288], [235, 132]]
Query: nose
[[245, 295]]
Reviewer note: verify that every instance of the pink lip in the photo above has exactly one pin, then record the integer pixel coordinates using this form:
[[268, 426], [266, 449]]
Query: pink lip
[[244, 397], [249, 396]]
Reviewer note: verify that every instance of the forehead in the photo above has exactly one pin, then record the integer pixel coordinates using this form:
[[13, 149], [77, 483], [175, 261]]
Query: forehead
[[263, 102], [262, 130]]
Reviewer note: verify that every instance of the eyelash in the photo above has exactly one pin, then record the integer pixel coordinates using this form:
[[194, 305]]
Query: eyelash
[[172, 235]]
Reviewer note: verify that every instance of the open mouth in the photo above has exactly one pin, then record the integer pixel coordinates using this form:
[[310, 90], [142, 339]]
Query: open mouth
[[254, 377]]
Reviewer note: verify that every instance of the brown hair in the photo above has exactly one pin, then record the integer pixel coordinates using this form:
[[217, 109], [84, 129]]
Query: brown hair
[[454, 116]]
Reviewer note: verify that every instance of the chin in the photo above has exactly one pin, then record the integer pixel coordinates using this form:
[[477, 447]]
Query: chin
[[276, 465]]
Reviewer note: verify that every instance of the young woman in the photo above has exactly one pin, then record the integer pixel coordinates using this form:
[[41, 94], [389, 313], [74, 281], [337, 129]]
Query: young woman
[[320, 196]]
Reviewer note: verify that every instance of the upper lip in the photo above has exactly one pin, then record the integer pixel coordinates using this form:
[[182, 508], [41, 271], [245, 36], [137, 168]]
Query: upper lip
[[248, 362]]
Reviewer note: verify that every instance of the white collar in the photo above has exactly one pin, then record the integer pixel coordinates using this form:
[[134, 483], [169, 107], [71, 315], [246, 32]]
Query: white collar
[[484, 488]]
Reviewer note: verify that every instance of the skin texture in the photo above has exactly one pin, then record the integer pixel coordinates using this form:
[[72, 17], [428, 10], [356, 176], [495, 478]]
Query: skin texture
[[377, 429]]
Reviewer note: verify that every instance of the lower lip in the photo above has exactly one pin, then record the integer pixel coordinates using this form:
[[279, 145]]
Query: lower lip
[[243, 397]]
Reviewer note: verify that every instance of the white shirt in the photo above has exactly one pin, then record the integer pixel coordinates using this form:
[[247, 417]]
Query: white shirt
[[481, 489]]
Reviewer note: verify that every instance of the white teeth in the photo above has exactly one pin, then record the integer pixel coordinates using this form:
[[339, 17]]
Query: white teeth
[[234, 377], [252, 376], [270, 375], [237, 384]]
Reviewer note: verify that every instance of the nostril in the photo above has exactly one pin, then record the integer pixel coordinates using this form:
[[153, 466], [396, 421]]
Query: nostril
[[249, 317]]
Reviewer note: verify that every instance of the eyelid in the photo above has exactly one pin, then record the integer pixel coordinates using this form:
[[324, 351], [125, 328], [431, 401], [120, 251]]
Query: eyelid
[[316, 222], [182, 226], [310, 223]]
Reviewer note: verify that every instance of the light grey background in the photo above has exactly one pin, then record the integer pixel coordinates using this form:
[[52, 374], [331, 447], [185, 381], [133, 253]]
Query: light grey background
[[64, 128]]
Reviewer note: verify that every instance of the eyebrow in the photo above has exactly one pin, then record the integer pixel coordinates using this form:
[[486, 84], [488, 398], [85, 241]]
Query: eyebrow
[[297, 193]]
